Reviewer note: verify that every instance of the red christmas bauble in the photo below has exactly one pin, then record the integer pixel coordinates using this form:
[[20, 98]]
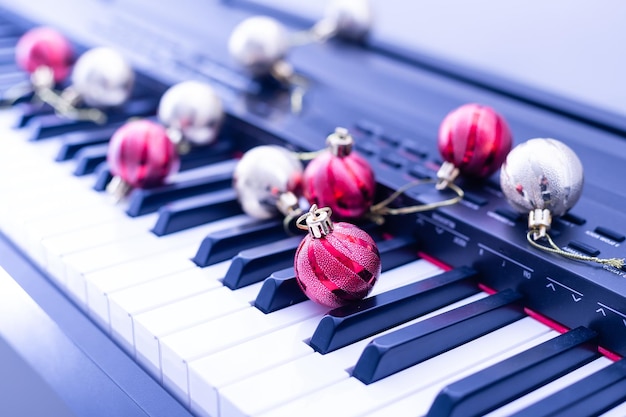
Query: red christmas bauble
[[340, 179], [141, 154], [475, 139], [337, 268], [45, 47]]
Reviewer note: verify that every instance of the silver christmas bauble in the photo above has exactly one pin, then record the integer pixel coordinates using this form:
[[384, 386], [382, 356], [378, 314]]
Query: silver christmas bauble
[[542, 174], [258, 43], [102, 77], [262, 175], [194, 109], [352, 18]]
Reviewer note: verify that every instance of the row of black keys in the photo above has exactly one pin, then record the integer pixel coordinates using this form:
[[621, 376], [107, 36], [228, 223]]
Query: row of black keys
[[208, 197], [211, 195]]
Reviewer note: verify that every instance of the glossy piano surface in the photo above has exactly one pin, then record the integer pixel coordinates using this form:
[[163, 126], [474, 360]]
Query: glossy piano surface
[[131, 293]]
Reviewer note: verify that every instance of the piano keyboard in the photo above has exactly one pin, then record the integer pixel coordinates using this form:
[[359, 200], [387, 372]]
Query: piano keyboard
[[195, 292]]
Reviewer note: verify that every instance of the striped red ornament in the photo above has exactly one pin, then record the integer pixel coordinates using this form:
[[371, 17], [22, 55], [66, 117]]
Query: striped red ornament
[[475, 139], [45, 47], [141, 154], [335, 264], [340, 178]]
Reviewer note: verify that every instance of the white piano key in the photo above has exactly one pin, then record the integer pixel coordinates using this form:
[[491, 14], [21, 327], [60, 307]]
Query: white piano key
[[57, 247], [350, 397], [182, 347], [550, 388], [126, 303], [404, 274], [210, 373], [208, 382], [128, 274], [72, 218], [79, 264], [151, 326]]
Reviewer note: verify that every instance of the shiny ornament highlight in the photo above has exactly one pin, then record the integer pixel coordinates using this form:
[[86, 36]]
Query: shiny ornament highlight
[[44, 47], [265, 177], [193, 111], [340, 178], [102, 78], [141, 155], [475, 139], [258, 44], [544, 174], [350, 19], [335, 264]]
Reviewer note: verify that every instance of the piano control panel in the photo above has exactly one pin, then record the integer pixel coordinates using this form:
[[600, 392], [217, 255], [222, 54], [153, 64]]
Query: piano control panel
[[392, 102]]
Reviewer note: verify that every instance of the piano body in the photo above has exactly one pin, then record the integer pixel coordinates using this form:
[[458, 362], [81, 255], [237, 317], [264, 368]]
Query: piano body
[[119, 310]]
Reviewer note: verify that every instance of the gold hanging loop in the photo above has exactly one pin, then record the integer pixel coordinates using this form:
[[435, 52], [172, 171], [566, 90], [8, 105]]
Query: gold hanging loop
[[377, 211], [553, 248]]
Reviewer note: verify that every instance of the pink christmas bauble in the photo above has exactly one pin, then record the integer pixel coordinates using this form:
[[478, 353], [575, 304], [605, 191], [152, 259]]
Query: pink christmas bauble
[[475, 139], [344, 183], [141, 154], [338, 268], [45, 47]]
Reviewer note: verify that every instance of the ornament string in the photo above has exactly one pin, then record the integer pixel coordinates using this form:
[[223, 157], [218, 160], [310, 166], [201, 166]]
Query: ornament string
[[377, 211], [553, 248], [42, 79], [283, 71]]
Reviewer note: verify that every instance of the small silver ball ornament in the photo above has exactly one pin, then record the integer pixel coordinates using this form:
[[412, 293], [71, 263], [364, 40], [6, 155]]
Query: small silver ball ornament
[[544, 174], [352, 18], [194, 109], [262, 176], [102, 77], [258, 43]]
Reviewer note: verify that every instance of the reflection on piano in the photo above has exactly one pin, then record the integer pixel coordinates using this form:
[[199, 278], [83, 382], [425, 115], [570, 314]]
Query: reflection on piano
[[175, 303]]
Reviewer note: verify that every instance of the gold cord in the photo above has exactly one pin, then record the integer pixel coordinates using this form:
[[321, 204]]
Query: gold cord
[[66, 109], [553, 248], [377, 211]]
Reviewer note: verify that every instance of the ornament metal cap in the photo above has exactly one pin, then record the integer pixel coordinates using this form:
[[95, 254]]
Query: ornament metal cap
[[446, 174], [539, 222], [316, 221], [340, 142]]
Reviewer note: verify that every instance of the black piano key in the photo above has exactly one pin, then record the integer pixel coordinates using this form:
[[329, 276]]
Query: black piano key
[[224, 244], [73, 142], [29, 110], [194, 211], [281, 289], [44, 126], [204, 155], [254, 265], [144, 201], [49, 125], [89, 158], [423, 340], [591, 396], [103, 177], [350, 323], [516, 376]]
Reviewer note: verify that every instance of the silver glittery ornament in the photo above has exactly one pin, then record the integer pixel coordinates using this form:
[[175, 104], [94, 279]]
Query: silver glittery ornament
[[258, 44], [267, 180], [193, 110], [351, 19], [542, 174], [102, 78]]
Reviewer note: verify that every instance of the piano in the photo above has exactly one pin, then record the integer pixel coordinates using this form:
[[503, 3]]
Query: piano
[[124, 309]]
